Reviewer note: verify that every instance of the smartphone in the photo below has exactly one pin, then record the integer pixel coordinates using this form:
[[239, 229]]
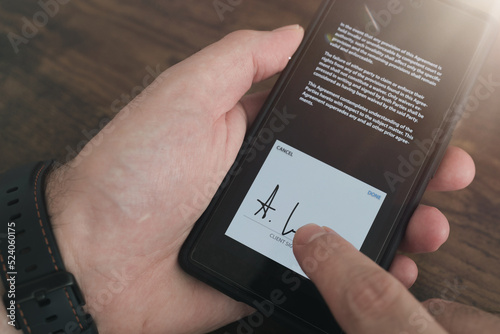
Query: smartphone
[[349, 138]]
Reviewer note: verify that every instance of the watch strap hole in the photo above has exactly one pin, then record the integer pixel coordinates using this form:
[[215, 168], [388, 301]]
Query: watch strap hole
[[45, 302], [47, 296], [12, 190], [15, 217], [52, 318], [13, 202], [30, 268]]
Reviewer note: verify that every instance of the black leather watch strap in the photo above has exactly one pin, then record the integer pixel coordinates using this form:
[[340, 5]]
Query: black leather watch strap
[[46, 298]]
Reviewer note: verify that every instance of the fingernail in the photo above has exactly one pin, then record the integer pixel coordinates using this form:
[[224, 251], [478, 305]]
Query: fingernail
[[290, 27], [329, 230], [309, 233]]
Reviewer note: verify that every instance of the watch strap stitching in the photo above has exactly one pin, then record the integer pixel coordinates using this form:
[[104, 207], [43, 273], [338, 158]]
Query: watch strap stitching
[[4, 267], [71, 291], [40, 218], [21, 313], [48, 246], [73, 308]]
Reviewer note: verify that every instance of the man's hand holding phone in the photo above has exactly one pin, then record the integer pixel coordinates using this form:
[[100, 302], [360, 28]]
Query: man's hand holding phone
[[156, 155], [162, 121]]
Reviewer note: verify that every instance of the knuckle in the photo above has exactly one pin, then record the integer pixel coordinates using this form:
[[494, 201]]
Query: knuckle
[[371, 293], [241, 35], [435, 306]]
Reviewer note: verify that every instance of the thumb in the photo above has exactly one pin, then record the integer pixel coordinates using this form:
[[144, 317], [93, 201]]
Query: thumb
[[227, 69], [363, 297]]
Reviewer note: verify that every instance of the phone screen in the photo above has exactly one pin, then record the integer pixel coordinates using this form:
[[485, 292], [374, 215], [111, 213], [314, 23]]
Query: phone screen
[[365, 107], [293, 188], [349, 139]]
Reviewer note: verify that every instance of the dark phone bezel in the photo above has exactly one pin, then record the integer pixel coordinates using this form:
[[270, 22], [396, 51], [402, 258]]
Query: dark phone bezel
[[212, 278], [454, 116], [386, 254]]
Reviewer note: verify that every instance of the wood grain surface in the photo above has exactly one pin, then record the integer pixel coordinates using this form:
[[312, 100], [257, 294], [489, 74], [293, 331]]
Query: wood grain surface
[[71, 73]]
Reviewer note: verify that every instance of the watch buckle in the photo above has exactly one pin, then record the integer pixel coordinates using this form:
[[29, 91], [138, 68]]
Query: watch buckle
[[38, 288]]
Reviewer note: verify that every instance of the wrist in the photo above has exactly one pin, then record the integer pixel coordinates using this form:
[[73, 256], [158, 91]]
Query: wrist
[[73, 198], [59, 203], [42, 295], [69, 216]]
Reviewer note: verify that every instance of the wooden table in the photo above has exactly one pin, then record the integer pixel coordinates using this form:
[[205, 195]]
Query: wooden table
[[67, 73]]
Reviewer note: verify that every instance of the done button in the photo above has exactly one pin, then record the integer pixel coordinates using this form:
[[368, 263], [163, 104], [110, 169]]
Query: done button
[[372, 194]]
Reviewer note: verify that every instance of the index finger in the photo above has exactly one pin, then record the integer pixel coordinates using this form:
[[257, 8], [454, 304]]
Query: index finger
[[363, 297]]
